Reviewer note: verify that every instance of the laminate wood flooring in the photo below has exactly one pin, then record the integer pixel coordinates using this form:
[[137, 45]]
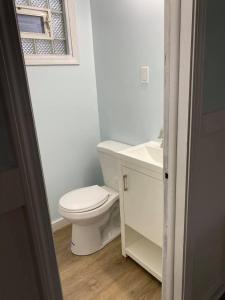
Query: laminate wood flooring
[[105, 275]]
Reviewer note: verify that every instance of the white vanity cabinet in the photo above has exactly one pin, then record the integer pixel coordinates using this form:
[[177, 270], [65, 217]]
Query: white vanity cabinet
[[141, 206]]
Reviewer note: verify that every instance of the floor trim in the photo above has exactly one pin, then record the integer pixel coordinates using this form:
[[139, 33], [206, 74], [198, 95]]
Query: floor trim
[[59, 224]]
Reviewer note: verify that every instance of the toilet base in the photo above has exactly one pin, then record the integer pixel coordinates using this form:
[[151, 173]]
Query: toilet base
[[92, 237], [86, 241]]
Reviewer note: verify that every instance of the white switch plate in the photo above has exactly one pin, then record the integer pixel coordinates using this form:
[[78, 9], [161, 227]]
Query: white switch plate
[[145, 74]]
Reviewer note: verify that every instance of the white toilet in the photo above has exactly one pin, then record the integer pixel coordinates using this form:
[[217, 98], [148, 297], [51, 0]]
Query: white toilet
[[94, 211]]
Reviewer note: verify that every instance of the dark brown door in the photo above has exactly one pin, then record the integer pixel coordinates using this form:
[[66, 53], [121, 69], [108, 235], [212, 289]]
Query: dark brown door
[[205, 236], [28, 268]]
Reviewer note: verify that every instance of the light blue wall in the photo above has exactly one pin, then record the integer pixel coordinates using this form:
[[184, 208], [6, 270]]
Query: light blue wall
[[64, 101], [128, 34]]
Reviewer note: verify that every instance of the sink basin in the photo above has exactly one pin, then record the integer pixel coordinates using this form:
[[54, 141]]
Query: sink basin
[[155, 152], [150, 155]]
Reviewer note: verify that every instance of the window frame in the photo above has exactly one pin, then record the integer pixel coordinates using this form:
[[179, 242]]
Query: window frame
[[72, 58], [45, 14]]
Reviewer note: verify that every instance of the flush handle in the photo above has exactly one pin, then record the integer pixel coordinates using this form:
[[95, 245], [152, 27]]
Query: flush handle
[[125, 186]]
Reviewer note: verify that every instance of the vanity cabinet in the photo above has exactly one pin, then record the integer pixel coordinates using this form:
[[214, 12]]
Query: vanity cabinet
[[141, 205]]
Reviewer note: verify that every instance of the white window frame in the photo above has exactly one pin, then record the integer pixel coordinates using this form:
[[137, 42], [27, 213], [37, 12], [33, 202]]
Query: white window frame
[[45, 14], [72, 58]]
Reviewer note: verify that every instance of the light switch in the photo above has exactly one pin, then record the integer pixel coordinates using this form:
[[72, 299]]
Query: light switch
[[145, 74]]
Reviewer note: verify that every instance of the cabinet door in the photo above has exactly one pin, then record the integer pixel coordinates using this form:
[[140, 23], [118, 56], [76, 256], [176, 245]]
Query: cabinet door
[[143, 204]]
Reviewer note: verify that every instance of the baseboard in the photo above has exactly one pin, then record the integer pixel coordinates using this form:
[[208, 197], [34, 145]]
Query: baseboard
[[59, 224]]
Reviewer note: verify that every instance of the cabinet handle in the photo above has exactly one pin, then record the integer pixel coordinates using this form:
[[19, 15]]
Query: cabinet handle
[[125, 187]]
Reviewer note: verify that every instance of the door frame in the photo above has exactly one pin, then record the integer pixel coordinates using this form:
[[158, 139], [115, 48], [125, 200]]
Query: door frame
[[172, 48], [185, 97], [180, 18], [178, 60]]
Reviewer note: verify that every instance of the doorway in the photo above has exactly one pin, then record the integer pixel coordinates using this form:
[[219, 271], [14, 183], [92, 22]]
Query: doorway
[[114, 93]]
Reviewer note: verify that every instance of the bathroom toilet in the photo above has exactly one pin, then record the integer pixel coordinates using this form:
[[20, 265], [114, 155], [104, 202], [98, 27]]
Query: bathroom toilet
[[94, 211]]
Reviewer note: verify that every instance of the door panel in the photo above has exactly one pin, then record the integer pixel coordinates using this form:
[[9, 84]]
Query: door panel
[[18, 268], [11, 189], [7, 156], [18, 282], [205, 229], [143, 205], [214, 72]]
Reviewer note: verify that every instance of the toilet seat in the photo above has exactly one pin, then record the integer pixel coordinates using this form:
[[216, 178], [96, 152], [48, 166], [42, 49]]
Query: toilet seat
[[84, 200], [78, 216]]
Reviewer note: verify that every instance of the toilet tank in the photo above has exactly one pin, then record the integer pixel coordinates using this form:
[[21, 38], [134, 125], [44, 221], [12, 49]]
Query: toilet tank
[[109, 162]]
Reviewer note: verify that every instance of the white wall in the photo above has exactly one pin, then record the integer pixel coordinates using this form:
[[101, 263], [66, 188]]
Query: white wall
[[64, 100], [127, 34]]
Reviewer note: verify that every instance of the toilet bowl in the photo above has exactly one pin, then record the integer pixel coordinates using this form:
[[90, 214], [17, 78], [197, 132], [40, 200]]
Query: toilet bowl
[[94, 210], [89, 230]]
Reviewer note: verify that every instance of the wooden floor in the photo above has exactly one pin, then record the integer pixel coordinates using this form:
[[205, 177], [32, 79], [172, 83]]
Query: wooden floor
[[105, 275]]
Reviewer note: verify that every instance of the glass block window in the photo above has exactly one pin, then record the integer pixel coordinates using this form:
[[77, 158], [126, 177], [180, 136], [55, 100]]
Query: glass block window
[[43, 27]]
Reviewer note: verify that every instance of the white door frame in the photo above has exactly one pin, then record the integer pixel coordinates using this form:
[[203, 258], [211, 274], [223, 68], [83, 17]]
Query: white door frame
[[172, 50], [183, 140], [178, 73]]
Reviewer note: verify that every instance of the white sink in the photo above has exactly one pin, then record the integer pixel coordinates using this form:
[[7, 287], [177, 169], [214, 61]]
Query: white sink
[[150, 155]]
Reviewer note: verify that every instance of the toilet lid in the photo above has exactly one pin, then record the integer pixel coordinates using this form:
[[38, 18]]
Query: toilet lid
[[84, 199]]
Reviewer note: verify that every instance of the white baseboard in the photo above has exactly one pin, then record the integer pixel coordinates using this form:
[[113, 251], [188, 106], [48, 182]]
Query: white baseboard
[[59, 224]]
